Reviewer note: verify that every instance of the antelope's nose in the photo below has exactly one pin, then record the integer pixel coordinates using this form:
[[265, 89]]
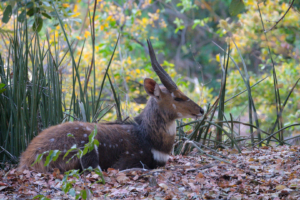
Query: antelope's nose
[[201, 110]]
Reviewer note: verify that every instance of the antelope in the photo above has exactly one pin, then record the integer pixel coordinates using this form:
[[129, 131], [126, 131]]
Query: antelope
[[145, 142]]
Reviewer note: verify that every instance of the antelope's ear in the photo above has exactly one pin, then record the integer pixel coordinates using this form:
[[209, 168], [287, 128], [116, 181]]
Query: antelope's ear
[[151, 87]]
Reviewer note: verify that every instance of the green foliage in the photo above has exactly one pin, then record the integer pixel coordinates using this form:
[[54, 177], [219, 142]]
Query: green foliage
[[36, 12], [33, 97], [179, 24], [7, 14], [236, 6], [67, 184], [2, 89]]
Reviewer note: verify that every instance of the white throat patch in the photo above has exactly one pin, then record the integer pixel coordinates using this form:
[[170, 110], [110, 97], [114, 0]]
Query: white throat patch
[[160, 156], [171, 129]]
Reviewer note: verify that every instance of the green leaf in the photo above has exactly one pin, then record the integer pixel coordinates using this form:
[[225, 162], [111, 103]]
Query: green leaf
[[7, 14], [236, 6], [72, 192], [39, 158], [40, 197], [29, 5], [74, 147], [53, 155], [71, 135], [22, 16], [46, 3], [46, 15], [83, 194], [2, 90], [38, 24], [32, 11]]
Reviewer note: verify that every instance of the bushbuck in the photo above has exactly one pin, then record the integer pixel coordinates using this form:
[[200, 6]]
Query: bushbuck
[[146, 141]]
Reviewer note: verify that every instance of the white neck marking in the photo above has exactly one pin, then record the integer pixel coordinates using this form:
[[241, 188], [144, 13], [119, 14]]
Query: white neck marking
[[160, 156], [171, 129]]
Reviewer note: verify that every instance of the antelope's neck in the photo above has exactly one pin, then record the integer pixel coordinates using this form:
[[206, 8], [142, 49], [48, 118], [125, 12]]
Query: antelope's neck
[[158, 127]]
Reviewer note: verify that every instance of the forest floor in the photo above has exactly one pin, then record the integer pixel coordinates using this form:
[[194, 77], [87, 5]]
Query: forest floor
[[265, 173]]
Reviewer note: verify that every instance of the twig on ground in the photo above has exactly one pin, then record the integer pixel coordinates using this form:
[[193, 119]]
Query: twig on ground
[[197, 147]]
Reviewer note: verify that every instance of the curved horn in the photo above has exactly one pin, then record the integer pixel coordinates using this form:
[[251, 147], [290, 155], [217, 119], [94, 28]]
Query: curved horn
[[161, 73]]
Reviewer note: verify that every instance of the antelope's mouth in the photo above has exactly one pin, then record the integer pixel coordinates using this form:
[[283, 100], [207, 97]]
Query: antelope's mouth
[[197, 116]]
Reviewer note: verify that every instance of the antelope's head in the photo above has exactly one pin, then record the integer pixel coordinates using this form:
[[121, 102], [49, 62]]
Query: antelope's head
[[168, 97]]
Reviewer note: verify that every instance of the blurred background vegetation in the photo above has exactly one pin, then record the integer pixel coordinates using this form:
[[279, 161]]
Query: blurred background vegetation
[[67, 45]]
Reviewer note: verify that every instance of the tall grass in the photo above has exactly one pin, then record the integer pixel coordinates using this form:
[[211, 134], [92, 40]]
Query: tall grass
[[215, 130], [33, 99]]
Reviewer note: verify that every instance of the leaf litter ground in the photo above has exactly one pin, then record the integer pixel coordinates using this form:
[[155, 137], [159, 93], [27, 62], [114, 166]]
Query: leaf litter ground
[[265, 173]]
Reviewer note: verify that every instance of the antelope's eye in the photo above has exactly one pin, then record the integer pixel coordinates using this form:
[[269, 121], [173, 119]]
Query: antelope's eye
[[178, 99]]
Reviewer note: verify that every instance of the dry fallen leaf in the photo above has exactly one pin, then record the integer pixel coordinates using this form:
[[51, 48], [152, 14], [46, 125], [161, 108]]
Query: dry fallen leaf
[[122, 178]]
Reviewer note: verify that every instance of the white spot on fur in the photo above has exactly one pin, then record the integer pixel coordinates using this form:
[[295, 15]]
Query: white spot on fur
[[104, 144], [128, 130], [82, 142], [96, 149], [132, 155], [100, 143], [52, 140], [188, 100], [117, 145], [85, 135], [141, 152], [76, 128], [80, 124], [174, 106], [110, 146], [179, 114], [121, 140], [160, 156], [172, 128], [88, 129], [172, 94], [127, 152]]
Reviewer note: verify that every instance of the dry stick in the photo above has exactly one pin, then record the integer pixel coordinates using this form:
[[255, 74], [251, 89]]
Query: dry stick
[[281, 18], [12, 156], [134, 169], [196, 146], [198, 143]]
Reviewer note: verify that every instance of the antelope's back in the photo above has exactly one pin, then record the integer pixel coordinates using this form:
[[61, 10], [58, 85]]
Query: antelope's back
[[114, 139]]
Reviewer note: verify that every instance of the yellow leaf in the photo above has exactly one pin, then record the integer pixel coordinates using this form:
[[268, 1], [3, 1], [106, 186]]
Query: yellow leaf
[[218, 57], [65, 5], [129, 60], [280, 187], [284, 6], [109, 18], [87, 34], [144, 21], [75, 8]]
